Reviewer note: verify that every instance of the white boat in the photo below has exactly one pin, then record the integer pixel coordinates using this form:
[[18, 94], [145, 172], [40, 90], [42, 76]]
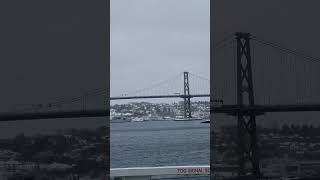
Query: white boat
[[181, 118], [137, 119], [167, 118]]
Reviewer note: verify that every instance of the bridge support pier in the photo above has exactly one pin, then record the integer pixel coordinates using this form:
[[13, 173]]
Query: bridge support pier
[[248, 159], [187, 102]]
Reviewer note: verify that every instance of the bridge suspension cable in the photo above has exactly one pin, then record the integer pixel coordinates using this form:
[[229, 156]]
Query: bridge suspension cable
[[170, 87], [82, 100], [223, 42], [284, 49], [157, 89], [199, 84], [293, 72]]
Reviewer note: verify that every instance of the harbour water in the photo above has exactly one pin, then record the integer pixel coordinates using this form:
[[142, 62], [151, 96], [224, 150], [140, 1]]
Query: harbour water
[[159, 143]]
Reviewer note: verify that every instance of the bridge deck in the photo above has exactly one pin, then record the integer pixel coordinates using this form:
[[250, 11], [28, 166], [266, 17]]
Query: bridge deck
[[160, 96], [229, 109], [265, 108], [53, 115]]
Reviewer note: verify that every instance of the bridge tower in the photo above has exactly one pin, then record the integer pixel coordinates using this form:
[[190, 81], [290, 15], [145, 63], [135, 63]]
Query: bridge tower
[[248, 159], [187, 103]]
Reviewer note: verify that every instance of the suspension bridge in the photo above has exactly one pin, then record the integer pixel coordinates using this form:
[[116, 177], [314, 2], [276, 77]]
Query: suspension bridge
[[260, 77], [199, 86], [178, 86], [252, 76]]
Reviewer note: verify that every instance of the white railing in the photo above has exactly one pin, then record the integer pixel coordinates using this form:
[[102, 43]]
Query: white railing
[[145, 173]]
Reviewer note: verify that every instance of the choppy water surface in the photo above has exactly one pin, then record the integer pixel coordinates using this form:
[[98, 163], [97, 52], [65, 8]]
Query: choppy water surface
[[159, 143]]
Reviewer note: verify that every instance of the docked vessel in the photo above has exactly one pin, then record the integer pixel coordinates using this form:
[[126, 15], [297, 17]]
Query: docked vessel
[[167, 118], [181, 118], [156, 118], [137, 119], [119, 119], [206, 121]]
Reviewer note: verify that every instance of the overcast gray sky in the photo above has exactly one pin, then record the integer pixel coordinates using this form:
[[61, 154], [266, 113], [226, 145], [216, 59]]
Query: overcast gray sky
[[152, 40], [291, 23], [51, 50]]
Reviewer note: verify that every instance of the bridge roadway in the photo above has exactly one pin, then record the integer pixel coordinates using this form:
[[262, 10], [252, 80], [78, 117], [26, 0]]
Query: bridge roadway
[[12, 116], [229, 109], [260, 109], [53, 114], [160, 96]]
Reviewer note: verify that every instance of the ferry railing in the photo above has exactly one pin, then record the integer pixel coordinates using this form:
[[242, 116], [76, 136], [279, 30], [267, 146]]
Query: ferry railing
[[146, 173]]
